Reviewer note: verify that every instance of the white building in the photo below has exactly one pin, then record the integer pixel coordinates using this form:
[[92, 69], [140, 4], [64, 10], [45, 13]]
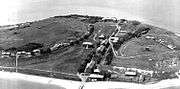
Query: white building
[[87, 45]]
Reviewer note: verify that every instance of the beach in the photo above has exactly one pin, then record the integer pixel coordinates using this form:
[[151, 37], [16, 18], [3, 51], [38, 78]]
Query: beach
[[9, 80]]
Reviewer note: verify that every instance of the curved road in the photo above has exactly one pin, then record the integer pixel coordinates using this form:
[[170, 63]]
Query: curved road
[[125, 57]]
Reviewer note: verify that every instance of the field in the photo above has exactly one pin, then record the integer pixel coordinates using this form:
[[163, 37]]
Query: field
[[148, 54], [48, 32]]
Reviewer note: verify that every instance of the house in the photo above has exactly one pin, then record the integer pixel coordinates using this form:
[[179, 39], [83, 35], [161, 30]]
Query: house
[[171, 46], [24, 54], [96, 71], [95, 77], [102, 37], [58, 45], [130, 73], [109, 19], [100, 49], [37, 52], [150, 37], [88, 45], [5, 54], [114, 39]]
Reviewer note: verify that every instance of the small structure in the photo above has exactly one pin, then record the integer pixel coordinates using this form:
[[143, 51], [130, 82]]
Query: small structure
[[171, 46], [147, 48], [95, 77], [96, 71], [24, 54], [122, 21], [150, 37], [102, 37], [109, 19], [88, 45], [114, 39], [100, 49], [37, 52], [130, 73], [5, 54], [58, 45]]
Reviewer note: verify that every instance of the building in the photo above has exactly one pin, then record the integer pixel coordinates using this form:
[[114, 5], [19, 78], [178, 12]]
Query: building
[[122, 21], [88, 45], [171, 46], [5, 54], [102, 37], [149, 37], [37, 52], [95, 77], [109, 19], [87, 77], [130, 73], [58, 45], [114, 39]]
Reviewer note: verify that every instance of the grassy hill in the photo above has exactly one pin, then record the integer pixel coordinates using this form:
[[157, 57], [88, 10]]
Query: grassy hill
[[71, 27]]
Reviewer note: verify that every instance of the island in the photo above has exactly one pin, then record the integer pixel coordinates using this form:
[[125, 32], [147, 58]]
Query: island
[[90, 48]]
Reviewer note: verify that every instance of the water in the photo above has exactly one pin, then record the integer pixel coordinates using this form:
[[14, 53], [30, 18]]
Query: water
[[163, 13]]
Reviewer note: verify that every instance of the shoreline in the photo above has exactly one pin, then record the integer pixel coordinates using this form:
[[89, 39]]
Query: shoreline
[[17, 78], [52, 79]]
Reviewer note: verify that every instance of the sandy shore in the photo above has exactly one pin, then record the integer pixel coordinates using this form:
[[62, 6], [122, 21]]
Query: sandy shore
[[10, 80], [21, 81]]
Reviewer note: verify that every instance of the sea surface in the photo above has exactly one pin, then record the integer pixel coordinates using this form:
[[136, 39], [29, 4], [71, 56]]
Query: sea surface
[[163, 13]]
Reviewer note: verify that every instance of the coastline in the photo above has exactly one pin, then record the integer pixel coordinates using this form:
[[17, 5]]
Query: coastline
[[16, 79], [88, 85]]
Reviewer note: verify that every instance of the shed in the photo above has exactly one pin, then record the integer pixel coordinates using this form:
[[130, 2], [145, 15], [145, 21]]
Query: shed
[[88, 45], [114, 39], [130, 73], [102, 37], [96, 76]]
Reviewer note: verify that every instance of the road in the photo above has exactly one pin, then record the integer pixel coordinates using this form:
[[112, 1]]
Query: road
[[111, 45], [128, 57]]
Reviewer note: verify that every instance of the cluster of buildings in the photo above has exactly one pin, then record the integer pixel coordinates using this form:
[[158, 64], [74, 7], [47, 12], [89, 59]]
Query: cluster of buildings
[[14, 54], [118, 74], [129, 74], [90, 70], [30, 50]]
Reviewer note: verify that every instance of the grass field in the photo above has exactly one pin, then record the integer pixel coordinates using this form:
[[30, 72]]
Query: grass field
[[48, 32]]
